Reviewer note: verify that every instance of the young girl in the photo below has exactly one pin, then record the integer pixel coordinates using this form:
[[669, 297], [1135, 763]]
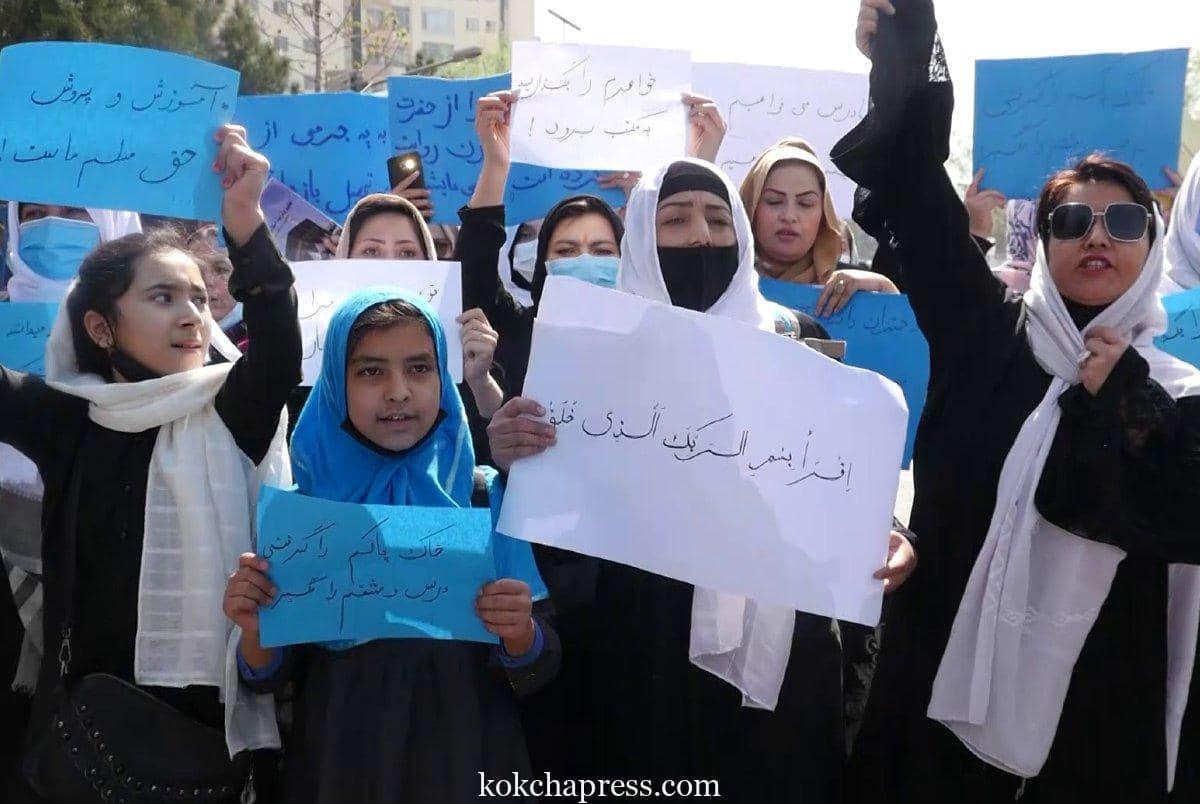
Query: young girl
[[152, 460], [399, 720]]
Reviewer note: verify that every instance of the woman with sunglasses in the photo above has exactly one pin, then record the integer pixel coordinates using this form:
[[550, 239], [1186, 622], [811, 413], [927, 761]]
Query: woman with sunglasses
[[1042, 650]]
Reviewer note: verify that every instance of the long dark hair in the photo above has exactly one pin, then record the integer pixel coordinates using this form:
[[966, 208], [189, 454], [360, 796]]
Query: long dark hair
[[1094, 167], [574, 207], [104, 276]]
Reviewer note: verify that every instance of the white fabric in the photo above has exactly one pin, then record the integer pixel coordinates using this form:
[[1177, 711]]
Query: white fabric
[[17, 473], [736, 639], [200, 502], [504, 267], [27, 286], [1183, 238], [1035, 590]]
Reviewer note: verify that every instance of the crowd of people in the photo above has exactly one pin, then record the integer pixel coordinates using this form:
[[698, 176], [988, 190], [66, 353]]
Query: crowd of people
[[1041, 649]]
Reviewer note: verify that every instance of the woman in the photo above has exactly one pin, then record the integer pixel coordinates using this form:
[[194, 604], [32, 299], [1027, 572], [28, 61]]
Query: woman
[[664, 703], [153, 459], [1057, 476], [797, 233], [1183, 238]]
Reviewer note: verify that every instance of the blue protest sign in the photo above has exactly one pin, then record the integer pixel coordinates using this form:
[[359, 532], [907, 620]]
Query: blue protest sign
[[24, 330], [881, 335], [331, 149], [1182, 338], [1036, 116], [435, 117], [112, 127], [357, 572]]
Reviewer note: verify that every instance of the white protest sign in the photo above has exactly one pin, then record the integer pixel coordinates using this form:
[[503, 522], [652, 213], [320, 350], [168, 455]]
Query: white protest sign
[[322, 285], [705, 450], [761, 104], [598, 107]]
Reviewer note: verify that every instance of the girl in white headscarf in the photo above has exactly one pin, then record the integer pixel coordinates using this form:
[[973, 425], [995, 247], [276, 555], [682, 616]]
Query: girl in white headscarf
[[153, 458], [690, 681]]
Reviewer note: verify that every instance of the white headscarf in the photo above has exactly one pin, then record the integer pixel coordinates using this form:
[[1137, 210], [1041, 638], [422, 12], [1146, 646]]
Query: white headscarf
[[740, 641], [27, 286], [1182, 246], [1036, 589], [200, 501]]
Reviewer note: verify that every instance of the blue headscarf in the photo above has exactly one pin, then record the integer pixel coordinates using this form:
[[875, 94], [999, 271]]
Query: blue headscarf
[[331, 463]]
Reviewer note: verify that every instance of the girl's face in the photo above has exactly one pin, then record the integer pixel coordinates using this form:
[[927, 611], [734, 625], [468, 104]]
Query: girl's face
[[216, 270], [694, 218], [393, 390], [788, 216], [161, 320], [590, 233], [1095, 269], [35, 212], [388, 236]]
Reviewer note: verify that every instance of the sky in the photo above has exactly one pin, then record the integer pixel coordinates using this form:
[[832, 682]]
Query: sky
[[819, 34]]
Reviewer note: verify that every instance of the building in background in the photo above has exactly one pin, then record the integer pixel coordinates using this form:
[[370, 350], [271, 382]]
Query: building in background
[[313, 35]]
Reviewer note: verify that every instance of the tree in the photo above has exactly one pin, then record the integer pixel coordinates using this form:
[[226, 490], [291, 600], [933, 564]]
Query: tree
[[183, 26], [327, 28], [492, 62], [241, 45]]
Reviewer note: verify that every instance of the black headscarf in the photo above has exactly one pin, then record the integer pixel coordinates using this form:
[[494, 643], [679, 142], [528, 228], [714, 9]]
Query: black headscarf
[[697, 276], [563, 210]]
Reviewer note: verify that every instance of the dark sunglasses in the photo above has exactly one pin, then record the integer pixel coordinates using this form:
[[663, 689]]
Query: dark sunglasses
[[1124, 220]]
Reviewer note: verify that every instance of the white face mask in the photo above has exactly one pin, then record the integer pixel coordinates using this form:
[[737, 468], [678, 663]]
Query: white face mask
[[524, 258]]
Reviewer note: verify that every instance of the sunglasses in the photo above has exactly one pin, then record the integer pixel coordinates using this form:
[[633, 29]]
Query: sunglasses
[[1124, 221]]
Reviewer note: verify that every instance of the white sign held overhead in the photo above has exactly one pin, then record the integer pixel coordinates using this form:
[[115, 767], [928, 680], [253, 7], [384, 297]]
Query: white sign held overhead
[[598, 107], [704, 450], [761, 104], [322, 285]]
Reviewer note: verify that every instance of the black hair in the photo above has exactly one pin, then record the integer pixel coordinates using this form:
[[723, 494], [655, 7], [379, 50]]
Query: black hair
[[567, 209], [384, 315], [1095, 167], [104, 277]]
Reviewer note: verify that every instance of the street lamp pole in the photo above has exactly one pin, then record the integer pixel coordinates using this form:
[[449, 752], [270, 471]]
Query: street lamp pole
[[565, 22]]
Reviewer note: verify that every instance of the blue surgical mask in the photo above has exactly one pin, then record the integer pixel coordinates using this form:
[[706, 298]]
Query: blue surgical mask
[[53, 248], [591, 268]]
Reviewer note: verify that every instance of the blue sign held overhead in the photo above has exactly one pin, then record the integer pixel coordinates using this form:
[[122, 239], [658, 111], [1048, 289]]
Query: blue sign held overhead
[[435, 117], [24, 331], [881, 335], [113, 127], [331, 149], [359, 572], [1036, 116]]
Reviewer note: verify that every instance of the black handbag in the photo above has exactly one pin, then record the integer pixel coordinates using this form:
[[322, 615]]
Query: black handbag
[[108, 740]]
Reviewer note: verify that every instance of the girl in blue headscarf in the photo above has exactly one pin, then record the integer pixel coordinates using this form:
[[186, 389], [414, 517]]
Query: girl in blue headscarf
[[399, 720]]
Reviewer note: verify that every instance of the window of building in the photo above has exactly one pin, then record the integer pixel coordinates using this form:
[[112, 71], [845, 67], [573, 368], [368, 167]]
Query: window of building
[[472, 24], [437, 21], [281, 44], [403, 17], [490, 26], [280, 6]]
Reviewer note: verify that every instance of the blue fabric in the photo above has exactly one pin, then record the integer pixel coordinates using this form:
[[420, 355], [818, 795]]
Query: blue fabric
[[53, 248], [591, 268], [263, 673], [330, 463], [528, 657]]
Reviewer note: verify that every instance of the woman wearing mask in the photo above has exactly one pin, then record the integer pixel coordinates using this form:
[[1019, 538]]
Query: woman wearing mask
[[797, 233], [46, 244], [666, 703], [1044, 650]]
